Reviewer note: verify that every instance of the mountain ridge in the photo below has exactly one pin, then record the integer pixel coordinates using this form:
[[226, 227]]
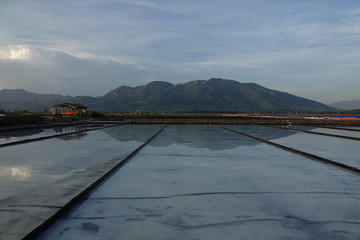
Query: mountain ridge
[[215, 94], [346, 105]]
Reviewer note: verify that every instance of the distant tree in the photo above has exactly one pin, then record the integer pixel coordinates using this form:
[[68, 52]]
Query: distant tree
[[95, 114]]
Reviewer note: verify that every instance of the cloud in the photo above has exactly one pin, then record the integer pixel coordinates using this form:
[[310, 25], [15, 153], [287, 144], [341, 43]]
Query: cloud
[[49, 71], [21, 53], [128, 42]]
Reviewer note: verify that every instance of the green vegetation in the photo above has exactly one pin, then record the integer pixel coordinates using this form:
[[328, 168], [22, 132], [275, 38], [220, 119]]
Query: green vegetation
[[95, 114], [213, 95]]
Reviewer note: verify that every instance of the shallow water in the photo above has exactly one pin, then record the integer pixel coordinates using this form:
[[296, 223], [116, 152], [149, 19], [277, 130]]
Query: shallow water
[[19, 135], [336, 149], [340, 132], [198, 182], [27, 166]]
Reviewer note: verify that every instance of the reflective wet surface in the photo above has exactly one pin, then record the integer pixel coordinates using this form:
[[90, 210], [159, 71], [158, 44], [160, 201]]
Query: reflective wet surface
[[336, 149], [38, 178], [201, 182], [29, 165], [19, 135], [331, 131]]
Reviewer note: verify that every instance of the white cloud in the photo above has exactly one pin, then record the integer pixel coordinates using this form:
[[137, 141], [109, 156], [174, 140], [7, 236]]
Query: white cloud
[[130, 42], [49, 71], [18, 52]]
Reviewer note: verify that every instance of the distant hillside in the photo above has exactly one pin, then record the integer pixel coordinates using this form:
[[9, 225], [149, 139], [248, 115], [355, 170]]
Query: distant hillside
[[206, 95], [215, 94], [19, 99], [346, 105]]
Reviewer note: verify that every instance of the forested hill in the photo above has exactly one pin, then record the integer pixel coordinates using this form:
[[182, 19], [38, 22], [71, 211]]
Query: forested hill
[[215, 94]]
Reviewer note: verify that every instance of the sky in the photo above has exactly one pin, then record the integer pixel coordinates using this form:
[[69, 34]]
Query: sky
[[309, 48]]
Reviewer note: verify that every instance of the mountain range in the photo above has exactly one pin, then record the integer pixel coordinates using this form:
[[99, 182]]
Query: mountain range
[[346, 105], [215, 94]]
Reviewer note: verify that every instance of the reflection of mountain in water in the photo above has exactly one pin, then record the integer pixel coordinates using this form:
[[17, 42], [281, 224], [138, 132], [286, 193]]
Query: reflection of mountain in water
[[25, 133], [209, 137], [70, 129], [72, 133], [139, 133], [267, 133], [73, 136]]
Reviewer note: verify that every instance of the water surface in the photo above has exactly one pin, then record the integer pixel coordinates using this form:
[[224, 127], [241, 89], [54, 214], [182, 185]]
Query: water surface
[[199, 182]]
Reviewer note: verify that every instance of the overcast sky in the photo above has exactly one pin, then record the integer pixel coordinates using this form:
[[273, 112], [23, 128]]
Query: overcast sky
[[310, 48]]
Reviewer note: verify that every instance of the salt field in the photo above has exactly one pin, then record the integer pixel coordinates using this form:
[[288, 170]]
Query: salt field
[[188, 182], [355, 133], [28, 134], [337, 149]]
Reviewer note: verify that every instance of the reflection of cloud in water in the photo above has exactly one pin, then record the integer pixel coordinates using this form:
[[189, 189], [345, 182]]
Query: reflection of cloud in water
[[15, 173], [209, 137]]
